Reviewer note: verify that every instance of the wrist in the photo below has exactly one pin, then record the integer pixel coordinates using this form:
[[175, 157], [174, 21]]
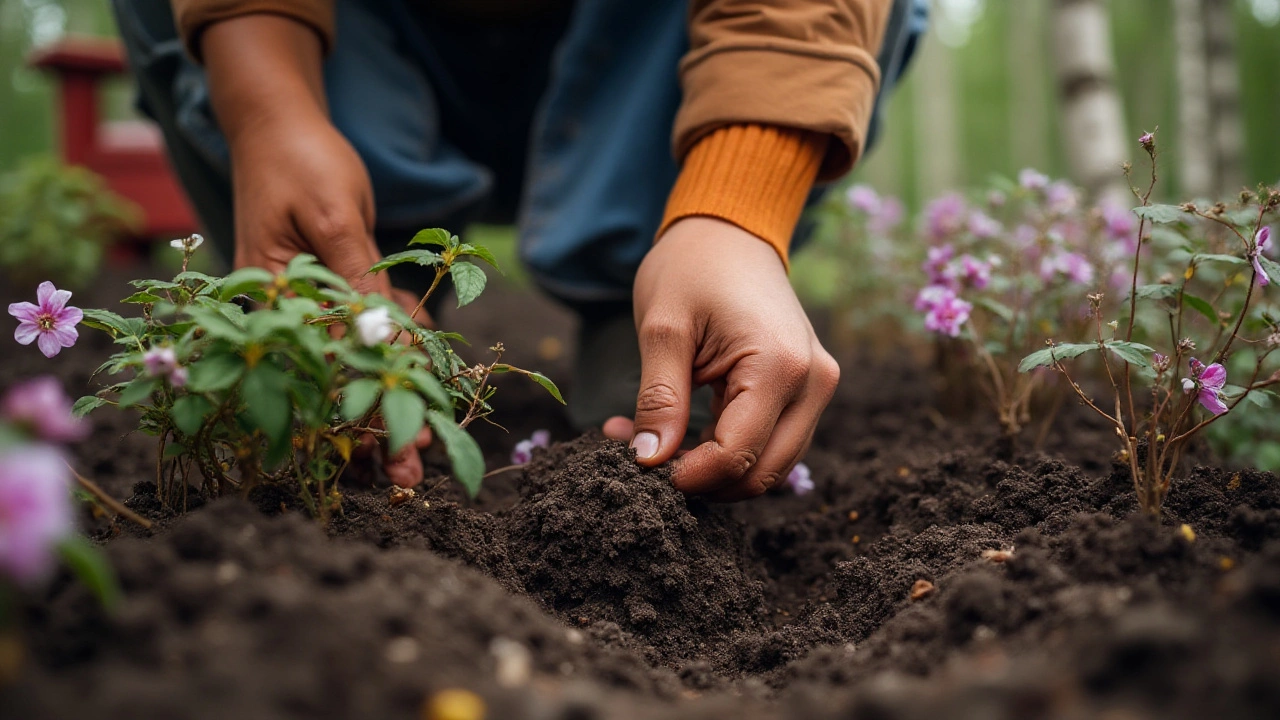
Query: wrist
[[264, 75]]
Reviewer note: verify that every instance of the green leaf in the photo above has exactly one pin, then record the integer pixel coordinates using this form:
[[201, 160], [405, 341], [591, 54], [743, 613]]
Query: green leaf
[[434, 236], [243, 281], [142, 297], [404, 413], [307, 267], [428, 385], [358, 396], [216, 324], [464, 454], [1201, 306], [1271, 267], [114, 324], [199, 277], [268, 408], [481, 252], [189, 412], [86, 405], [426, 258], [1158, 291], [1131, 352], [138, 390], [215, 372], [1000, 310], [547, 385], [88, 564], [1217, 258], [1161, 213], [468, 281], [1047, 356]]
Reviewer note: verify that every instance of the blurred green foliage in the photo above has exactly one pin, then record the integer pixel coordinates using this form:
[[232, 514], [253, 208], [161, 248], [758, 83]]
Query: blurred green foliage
[[56, 220]]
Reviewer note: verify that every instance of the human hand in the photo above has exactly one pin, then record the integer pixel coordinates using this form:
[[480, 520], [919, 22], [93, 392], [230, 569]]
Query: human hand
[[713, 306]]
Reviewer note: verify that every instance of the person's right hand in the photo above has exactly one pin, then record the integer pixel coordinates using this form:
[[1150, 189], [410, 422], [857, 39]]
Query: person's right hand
[[297, 184]]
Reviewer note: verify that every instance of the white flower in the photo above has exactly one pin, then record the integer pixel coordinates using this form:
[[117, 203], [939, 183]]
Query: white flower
[[187, 244], [373, 326], [1188, 385]]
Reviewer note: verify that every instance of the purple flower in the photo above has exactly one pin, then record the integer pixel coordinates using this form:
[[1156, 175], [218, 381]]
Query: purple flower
[[972, 272], [947, 316], [1147, 139], [40, 406], [1025, 236], [1061, 197], [800, 480], [889, 216], [945, 216], [995, 199], [1118, 223], [178, 378], [1074, 266], [936, 264], [983, 226], [523, 451], [35, 510], [160, 361], [863, 198], [52, 322], [1031, 179], [1261, 243], [930, 296], [1208, 381]]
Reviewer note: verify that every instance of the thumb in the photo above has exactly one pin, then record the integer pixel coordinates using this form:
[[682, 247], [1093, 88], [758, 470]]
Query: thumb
[[662, 407], [345, 245]]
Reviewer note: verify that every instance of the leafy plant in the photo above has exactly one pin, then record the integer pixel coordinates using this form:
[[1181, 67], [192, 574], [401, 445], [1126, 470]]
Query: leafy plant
[[284, 393], [1209, 310], [55, 221]]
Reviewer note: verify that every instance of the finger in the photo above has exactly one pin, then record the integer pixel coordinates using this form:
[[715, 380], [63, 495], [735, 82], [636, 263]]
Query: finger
[[405, 467], [343, 242], [754, 401], [662, 406], [619, 428], [717, 409]]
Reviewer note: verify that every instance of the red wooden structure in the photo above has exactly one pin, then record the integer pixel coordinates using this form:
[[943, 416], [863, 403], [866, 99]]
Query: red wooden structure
[[129, 154]]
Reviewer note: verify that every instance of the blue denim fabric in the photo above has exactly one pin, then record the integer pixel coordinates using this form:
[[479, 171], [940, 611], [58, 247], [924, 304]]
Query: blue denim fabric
[[582, 153]]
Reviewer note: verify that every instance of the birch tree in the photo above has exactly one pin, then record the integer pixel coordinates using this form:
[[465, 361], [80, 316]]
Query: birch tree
[[1093, 126]]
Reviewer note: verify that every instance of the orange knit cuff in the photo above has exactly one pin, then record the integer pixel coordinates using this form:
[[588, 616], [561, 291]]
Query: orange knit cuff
[[754, 176]]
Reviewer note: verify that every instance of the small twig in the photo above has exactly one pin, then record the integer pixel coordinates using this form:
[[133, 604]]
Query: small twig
[[101, 496]]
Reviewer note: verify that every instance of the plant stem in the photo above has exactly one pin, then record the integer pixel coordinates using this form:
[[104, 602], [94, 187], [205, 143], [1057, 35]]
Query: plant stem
[[101, 496]]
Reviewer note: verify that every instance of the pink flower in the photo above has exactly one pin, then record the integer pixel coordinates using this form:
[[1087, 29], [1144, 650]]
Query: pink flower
[[863, 198], [1208, 381], [1025, 236], [948, 316], [936, 264], [1061, 197], [800, 480], [888, 217], [52, 322], [983, 227], [1031, 179], [1147, 139], [1074, 266], [1261, 243], [945, 216], [160, 361], [35, 510], [523, 451], [40, 406], [178, 378], [1118, 223], [931, 296], [972, 272]]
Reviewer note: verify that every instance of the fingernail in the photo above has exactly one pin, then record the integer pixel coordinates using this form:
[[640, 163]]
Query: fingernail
[[645, 445]]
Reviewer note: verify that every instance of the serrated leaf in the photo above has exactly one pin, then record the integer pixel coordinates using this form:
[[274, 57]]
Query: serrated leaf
[[189, 412], [215, 372], [137, 391], [86, 405], [404, 413], [1201, 306], [216, 324], [308, 268], [428, 385], [1131, 352], [200, 277], [142, 297], [464, 454], [1158, 291], [434, 236], [112, 323], [358, 396], [426, 258], [1049, 355], [90, 566], [243, 281], [547, 385], [479, 251], [468, 281], [1161, 213], [268, 408]]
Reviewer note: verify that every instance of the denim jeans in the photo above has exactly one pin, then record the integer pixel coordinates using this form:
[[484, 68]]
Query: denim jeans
[[562, 126]]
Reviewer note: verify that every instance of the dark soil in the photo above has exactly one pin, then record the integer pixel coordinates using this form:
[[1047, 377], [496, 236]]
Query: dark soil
[[585, 587]]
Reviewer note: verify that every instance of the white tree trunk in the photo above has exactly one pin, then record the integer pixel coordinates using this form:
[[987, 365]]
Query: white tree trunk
[[1224, 96], [1195, 144], [1093, 124], [1028, 98]]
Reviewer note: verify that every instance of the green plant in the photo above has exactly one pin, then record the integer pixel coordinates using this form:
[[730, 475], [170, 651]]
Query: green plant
[[55, 221], [284, 393]]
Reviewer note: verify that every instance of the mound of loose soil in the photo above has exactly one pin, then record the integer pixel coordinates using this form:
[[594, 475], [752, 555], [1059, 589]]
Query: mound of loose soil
[[924, 578]]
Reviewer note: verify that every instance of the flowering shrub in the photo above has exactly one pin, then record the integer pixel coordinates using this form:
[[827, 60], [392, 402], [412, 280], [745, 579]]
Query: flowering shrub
[[36, 514], [284, 393], [55, 221], [1211, 309], [1007, 271]]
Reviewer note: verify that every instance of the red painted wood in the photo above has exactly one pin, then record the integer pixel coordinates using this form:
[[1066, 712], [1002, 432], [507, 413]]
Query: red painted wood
[[129, 155]]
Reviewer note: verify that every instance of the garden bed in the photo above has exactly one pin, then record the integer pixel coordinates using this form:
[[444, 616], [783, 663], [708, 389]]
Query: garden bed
[[583, 586]]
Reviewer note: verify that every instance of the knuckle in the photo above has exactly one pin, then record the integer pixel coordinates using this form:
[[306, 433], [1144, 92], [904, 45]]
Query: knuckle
[[740, 461], [660, 331], [657, 397], [792, 368], [827, 372], [335, 226]]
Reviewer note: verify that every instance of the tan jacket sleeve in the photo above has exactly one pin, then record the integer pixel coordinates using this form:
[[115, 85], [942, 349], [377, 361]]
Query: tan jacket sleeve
[[802, 64], [193, 16]]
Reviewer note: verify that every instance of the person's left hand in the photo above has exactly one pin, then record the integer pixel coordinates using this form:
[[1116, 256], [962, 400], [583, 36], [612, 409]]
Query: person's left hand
[[713, 306]]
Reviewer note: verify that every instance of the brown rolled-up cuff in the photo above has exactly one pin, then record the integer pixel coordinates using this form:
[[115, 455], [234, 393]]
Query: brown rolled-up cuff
[[194, 16]]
